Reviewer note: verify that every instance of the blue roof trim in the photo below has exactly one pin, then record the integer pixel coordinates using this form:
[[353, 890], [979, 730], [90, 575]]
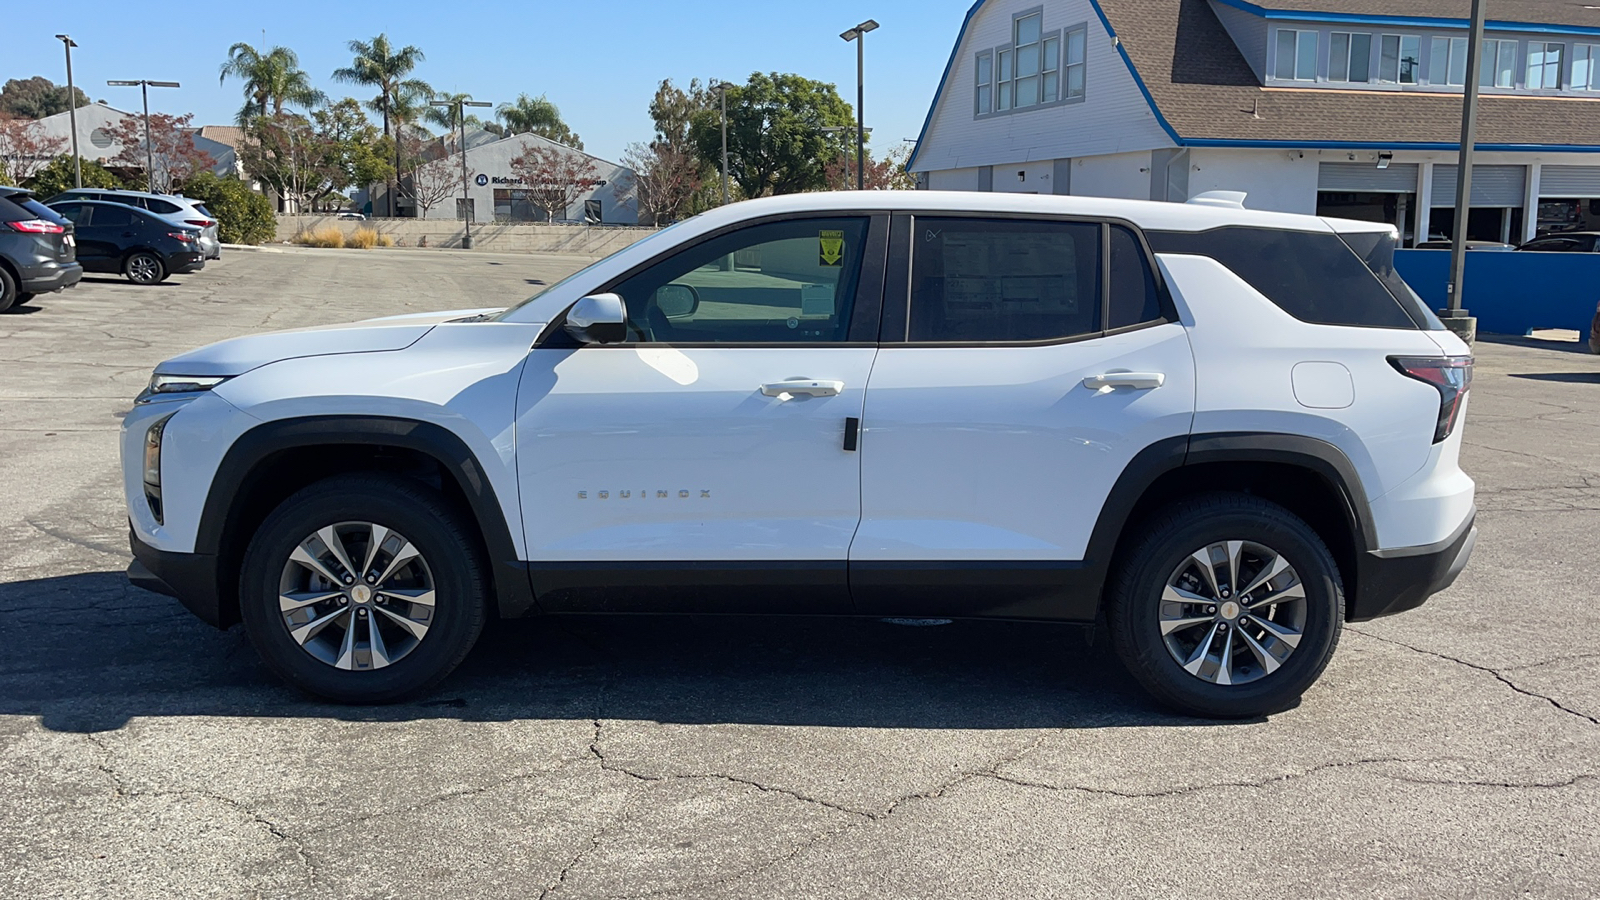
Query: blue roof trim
[[1134, 71], [1403, 21], [949, 67], [1389, 145]]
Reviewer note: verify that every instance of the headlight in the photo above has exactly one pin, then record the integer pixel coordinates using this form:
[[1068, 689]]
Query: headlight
[[183, 384], [152, 466]]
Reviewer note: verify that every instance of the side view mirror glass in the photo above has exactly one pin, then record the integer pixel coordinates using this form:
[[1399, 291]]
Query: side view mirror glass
[[598, 319], [677, 301]]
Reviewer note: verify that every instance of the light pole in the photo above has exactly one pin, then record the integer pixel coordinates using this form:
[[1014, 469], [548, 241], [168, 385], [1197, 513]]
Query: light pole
[[145, 85], [1456, 318], [859, 35], [466, 200], [836, 129], [722, 88], [67, 43]]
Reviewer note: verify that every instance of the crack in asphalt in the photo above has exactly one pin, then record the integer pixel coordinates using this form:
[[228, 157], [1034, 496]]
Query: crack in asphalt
[[1485, 669], [1219, 785]]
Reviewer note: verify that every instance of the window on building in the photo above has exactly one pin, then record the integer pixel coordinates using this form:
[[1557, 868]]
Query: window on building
[[1586, 67], [1077, 53], [1544, 65], [1499, 64], [1052, 68], [1448, 62], [1297, 55], [1028, 39], [985, 86], [1002, 91], [1400, 59], [1350, 57]]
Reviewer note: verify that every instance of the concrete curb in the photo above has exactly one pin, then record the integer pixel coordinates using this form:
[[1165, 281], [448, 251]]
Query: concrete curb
[[250, 247]]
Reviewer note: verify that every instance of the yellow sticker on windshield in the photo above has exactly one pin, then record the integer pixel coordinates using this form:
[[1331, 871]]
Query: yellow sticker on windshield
[[832, 248]]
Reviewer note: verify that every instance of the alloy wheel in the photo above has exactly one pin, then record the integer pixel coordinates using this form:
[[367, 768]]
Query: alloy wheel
[[1233, 612], [144, 268], [357, 596]]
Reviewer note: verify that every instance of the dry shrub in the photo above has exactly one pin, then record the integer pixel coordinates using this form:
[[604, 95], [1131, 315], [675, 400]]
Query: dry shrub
[[385, 240], [327, 236], [363, 238]]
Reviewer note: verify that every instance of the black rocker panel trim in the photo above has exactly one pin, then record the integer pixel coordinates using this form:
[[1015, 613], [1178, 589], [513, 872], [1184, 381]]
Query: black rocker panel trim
[[802, 587], [242, 467]]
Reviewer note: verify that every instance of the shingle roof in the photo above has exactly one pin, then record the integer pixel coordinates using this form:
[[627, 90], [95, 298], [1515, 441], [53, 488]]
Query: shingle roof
[[1206, 91], [1534, 12]]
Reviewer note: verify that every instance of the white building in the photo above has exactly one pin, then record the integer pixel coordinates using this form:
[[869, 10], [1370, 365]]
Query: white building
[[97, 124], [1340, 107], [497, 194]]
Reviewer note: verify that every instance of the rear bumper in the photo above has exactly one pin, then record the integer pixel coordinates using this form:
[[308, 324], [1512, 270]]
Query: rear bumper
[[1394, 581], [44, 280], [190, 577], [185, 263]]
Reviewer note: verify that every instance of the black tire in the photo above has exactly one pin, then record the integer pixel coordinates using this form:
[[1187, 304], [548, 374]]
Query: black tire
[[9, 296], [447, 544], [1165, 541], [25, 297], [144, 267]]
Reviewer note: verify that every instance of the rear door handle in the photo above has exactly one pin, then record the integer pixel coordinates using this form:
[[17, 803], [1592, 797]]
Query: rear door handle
[[803, 388], [1139, 381]]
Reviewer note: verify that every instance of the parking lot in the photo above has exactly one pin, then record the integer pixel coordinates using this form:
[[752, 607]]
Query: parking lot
[[1453, 751]]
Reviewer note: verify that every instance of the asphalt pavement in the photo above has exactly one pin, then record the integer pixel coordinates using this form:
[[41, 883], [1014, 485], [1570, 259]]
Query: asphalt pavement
[[1452, 751]]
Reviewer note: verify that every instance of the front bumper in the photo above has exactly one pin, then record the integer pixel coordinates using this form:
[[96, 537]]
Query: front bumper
[[190, 577], [1394, 581], [55, 278]]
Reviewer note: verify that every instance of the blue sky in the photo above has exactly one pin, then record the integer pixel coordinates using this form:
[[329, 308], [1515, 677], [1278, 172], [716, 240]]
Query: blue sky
[[600, 62]]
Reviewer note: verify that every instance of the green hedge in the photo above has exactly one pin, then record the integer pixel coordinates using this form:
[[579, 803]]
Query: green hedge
[[57, 177], [246, 217]]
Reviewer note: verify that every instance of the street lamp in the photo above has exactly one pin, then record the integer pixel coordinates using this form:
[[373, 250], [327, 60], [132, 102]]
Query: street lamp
[[145, 85], [1456, 318], [859, 35], [67, 43], [466, 200], [722, 88]]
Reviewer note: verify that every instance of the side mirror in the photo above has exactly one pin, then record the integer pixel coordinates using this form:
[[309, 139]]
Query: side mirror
[[598, 319], [677, 301]]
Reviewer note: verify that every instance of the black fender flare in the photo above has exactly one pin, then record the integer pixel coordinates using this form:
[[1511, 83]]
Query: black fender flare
[[240, 467]]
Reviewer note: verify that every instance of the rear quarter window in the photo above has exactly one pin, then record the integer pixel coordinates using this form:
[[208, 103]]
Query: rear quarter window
[[161, 207], [1313, 276]]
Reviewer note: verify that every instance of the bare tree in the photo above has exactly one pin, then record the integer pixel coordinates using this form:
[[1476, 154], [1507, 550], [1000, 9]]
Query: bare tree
[[25, 148], [887, 174], [555, 179], [432, 183], [666, 178], [172, 150]]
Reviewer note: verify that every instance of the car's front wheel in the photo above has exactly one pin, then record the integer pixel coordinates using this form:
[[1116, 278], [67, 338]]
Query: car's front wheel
[[1227, 606], [363, 589], [144, 268], [9, 295]]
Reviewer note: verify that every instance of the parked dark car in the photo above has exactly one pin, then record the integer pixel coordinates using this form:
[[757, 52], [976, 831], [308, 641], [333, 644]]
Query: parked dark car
[[138, 244], [1471, 245], [36, 249], [1568, 242]]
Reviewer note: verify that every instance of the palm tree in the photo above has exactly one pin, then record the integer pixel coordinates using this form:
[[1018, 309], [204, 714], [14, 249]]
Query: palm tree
[[445, 116], [378, 64], [537, 115], [271, 80]]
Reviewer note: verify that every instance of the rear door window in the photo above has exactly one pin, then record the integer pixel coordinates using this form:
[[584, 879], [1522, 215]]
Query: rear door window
[[1313, 276], [1135, 297], [113, 216]]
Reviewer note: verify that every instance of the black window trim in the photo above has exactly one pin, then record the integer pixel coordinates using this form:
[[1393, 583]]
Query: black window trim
[[898, 283], [865, 315]]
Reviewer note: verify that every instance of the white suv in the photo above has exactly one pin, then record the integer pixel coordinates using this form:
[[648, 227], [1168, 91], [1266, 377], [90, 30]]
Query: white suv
[[1225, 432]]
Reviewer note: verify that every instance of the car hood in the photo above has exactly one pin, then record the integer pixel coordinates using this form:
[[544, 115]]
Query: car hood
[[240, 355]]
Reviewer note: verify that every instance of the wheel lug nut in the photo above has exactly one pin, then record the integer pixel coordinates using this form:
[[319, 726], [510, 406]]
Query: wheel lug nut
[[1211, 610], [372, 579], [349, 580]]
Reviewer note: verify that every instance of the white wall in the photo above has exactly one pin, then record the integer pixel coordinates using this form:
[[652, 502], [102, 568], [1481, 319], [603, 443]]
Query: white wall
[[953, 180], [494, 160], [1122, 175], [1035, 178], [1114, 116], [1276, 180]]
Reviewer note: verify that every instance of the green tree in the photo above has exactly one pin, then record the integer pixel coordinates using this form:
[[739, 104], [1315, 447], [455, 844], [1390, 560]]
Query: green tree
[[776, 142], [364, 155], [537, 115], [243, 216], [57, 177], [37, 97], [378, 64], [271, 80]]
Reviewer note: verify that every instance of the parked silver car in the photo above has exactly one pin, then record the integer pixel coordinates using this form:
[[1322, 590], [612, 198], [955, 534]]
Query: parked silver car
[[175, 208]]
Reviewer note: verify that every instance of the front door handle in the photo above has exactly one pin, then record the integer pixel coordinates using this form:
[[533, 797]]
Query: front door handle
[[1139, 381], [803, 388]]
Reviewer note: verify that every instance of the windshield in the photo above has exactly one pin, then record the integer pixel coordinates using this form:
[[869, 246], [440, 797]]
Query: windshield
[[1376, 249], [575, 276]]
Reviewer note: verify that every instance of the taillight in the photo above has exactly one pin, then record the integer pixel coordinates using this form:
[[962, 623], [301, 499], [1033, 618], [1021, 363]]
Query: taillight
[[37, 226], [199, 223], [181, 235], [1451, 375]]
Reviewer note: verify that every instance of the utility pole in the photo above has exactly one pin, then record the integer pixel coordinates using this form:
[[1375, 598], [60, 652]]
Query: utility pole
[[68, 43], [144, 85], [1455, 318], [722, 87], [466, 199], [859, 35]]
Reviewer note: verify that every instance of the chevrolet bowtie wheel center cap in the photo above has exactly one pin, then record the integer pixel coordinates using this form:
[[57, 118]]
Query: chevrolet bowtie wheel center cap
[[361, 593], [1229, 610]]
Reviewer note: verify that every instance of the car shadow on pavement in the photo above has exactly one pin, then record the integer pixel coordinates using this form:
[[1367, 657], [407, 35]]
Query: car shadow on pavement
[[1567, 377], [89, 652], [1511, 340]]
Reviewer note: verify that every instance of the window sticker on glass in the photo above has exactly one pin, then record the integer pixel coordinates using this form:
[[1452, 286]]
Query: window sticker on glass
[[832, 250], [816, 300]]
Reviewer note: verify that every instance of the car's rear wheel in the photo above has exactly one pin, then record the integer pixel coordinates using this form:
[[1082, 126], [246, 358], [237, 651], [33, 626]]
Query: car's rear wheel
[[363, 589], [9, 296], [1228, 606], [144, 267]]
